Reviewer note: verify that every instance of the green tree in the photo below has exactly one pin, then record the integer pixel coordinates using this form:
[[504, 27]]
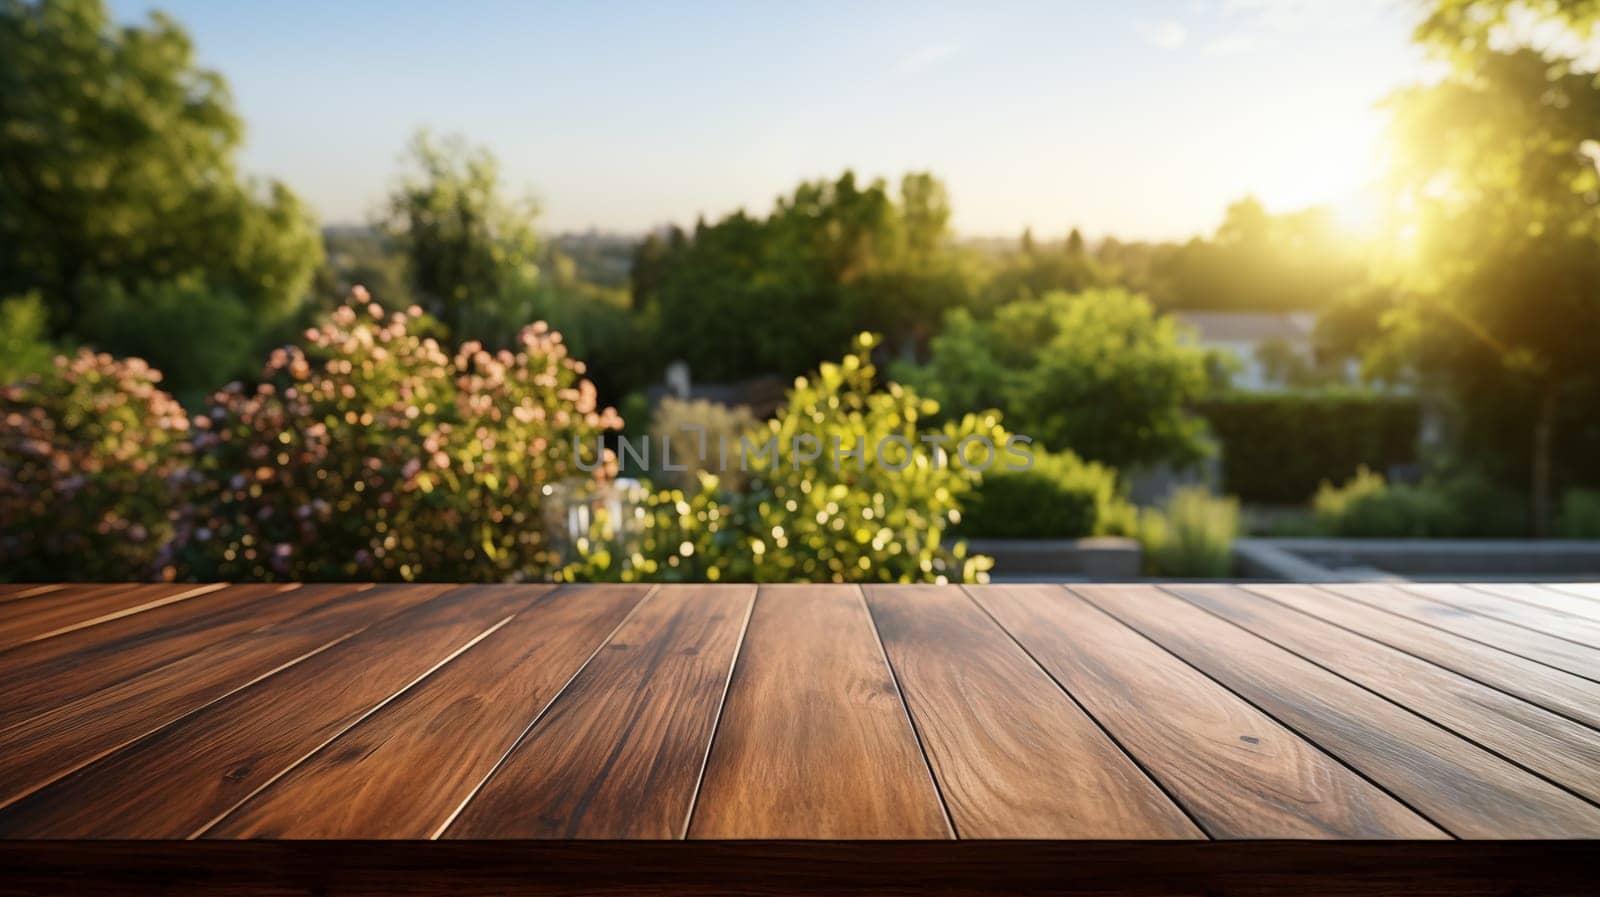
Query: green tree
[[117, 174], [1499, 295], [471, 250], [1098, 373]]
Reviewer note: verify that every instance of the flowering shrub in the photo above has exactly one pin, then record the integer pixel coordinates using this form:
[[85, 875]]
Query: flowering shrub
[[89, 453], [372, 453], [815, 519]]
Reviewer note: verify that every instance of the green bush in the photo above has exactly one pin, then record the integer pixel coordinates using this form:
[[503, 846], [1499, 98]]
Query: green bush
[[24, 347], [1191, 536], [89, 456], [372, 454], [1580, 514], [1278, 447], [1099, 373], [1059, 497], [1458, 506], [807, 520]]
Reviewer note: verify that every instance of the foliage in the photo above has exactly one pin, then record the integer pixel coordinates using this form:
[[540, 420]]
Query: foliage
[[1580, 514], [1458, 506], [24, 348], [1499, 296], [749, 296], [1277, 447], [471, 251], [1192, 535], [1098, 373], [810, 519], [697, 431], [89, 456], [1059, 497], [374, 454], [196, 336], [119, 169]]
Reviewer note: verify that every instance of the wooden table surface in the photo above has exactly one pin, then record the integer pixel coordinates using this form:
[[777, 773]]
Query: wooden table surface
[[1031, 715]]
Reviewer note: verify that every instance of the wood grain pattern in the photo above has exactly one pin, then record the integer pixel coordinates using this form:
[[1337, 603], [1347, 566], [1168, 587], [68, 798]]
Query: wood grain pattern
[[404, 771], [79, 607], [1240, 773], [620, 753], [179, 779], [814, 741], [1013, 755], [16, 590], [1456, 784], [1559, 624], [1553, 746], [78, 731], [1571, 696], [47, 674], [1545, 597], [1576, 659]]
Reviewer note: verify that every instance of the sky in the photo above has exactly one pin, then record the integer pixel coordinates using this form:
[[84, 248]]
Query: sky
[[1136, 119]]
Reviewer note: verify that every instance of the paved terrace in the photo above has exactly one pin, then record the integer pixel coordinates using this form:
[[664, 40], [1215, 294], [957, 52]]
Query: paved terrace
[[799, 739]]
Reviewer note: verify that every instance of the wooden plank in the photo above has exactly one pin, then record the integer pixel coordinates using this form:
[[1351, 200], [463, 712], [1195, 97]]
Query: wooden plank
[[404, 771], [1013, 755], [16, 590], [1590, 590], [49, 673], [1542, 596], [1456, 784], [620, 753], [1555, 623], [1240, 773], [55, 614], [1576, 659], [76, 732], [178, 780], [1571, 696], [1557, 748], [814, 741]]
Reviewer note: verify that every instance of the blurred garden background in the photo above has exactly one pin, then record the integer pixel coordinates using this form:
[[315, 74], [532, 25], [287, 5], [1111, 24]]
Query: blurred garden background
[[204, 380]]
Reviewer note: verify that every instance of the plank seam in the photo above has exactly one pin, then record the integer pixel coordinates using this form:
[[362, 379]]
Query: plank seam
[[1481, 588], [1488, 616], [1270, 715], [905, 707], [1154, 780], [543, 711], [1458, 634], [716, 720], [1414, 712], [185, 595], [353, 723], [1466, 675]]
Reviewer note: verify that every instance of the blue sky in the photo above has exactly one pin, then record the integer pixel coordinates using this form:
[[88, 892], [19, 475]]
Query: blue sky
[[1138, 119]]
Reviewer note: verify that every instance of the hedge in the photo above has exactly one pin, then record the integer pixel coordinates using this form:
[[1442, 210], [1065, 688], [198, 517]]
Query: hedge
[[1277, 448]]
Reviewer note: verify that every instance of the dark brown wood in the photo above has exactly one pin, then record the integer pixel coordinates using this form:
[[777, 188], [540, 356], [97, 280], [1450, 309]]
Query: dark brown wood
[[1560, 624], [179, 779], [48, 674], [1240, 773], [1456, 784], [1013, 755], [1579, 660], [620, 753], [1557, 748], [814, 741], [795, 868], [78, 607], [1571, 696], [78, 731], [404, 771], [1545, 597]]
